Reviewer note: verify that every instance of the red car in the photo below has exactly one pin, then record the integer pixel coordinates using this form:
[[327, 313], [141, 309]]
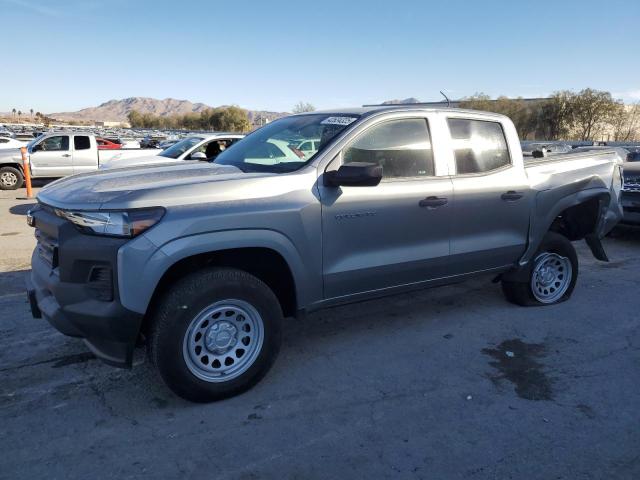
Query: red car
[[104, 144]]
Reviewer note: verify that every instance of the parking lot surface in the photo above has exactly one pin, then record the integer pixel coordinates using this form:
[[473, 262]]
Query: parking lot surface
[[449, 383]]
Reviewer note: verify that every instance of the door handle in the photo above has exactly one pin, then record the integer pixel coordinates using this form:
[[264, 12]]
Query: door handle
[[66, 155], [433, 202], [511, 196]]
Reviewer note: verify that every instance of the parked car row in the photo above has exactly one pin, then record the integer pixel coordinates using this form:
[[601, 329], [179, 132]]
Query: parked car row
[[631, 193]]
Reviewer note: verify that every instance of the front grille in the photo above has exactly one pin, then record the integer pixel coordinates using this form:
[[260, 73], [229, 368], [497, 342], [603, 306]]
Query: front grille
[[47, 248], [631, 184]]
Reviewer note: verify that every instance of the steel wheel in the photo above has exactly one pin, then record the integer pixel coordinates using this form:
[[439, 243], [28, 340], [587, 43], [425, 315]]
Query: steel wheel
[[551, 277], [8, 179], [223, 340]]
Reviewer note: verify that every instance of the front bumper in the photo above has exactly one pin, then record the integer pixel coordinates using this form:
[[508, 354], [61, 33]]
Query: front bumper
[[631, 207], [66, 294]]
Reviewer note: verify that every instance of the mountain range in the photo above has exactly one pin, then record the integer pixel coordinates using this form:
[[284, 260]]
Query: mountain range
[[117, 110]]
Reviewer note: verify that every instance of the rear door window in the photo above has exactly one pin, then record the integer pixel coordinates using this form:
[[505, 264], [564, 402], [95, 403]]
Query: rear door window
[[81, 143], [479, 146]]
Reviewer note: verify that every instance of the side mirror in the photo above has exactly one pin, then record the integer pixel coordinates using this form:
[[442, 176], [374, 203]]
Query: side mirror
[[198, 156], [356, 174], [36, 148]]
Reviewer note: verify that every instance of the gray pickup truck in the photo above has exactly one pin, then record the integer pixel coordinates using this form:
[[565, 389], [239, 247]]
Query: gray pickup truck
[[203, 261]]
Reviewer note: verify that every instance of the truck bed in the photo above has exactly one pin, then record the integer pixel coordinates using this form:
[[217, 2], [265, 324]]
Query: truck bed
[[109, 155], [562, 176]]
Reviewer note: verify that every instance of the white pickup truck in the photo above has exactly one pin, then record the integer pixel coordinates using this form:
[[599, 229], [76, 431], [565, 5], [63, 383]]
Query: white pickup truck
[[54, 155]]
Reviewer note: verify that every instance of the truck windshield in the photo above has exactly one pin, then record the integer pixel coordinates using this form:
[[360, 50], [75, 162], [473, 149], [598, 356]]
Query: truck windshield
[[286, 144], [177, 149], [33, 142]]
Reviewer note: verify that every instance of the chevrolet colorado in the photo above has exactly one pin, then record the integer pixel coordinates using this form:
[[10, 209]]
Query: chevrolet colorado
[[202, 261]]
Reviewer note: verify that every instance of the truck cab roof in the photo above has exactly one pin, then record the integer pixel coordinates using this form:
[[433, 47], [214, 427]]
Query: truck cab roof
[[367, 110]]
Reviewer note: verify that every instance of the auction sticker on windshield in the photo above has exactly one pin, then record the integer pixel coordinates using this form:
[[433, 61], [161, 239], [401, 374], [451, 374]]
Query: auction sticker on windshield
[[338, 121]]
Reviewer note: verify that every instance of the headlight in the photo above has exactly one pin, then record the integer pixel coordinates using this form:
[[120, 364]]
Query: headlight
[[126, 223]]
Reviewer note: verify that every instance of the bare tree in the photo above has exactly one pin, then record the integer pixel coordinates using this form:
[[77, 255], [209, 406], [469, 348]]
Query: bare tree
[[302, 107], [565, 115], [522, 115], [591, 111], [626, 123], [555, 117]]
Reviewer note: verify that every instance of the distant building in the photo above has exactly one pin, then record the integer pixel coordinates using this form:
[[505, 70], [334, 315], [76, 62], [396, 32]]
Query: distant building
[[112, 124]]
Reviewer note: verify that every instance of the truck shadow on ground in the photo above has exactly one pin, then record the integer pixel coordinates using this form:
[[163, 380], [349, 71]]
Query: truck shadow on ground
[[437, 313], [66, 362], [21, 209], [626, 233]]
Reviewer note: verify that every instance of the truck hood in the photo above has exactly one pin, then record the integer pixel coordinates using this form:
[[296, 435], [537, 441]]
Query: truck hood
[[134, 187]]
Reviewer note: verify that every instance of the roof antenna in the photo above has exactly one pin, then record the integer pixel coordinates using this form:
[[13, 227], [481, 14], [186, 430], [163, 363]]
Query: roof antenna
[[446, 98]]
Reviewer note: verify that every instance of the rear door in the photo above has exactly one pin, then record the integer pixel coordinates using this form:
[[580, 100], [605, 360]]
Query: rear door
[[395, 233], [85, 155], [492, 199], [52, 157]]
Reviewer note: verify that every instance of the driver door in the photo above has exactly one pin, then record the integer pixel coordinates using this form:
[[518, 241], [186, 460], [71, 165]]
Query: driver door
[[52, 157], [395, 233]]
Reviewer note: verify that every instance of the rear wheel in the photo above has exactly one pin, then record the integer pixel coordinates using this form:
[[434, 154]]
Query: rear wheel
[[552, 276], [216, 334], [10, 178]]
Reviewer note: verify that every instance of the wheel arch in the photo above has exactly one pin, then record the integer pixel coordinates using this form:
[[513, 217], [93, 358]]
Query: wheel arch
[[267, 255], [576, 215], [15, 165], [263, 263]]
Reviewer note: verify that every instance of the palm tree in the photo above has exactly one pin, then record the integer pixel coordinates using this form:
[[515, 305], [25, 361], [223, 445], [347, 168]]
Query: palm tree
[[31, 113], [19, 114], [13, 112]]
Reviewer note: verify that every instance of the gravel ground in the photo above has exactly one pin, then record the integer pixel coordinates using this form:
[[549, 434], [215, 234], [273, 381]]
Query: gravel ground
[[449, 383]]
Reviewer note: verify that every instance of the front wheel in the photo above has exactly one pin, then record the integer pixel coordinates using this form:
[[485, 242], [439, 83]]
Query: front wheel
[[552, 276], [216, 334], [10, 178]]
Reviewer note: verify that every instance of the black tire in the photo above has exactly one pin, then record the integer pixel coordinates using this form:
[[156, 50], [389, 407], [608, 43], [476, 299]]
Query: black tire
[[521, 293], [10, 172], [182, 305]]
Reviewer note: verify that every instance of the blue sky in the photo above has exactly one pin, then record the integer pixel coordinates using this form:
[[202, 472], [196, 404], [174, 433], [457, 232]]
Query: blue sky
[[66, 55]]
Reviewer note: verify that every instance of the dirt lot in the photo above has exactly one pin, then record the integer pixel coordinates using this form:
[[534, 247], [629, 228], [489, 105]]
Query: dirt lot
[[450, 383]]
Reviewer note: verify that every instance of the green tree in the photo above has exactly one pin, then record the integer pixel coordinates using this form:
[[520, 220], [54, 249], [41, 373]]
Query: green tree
[[135, 119], [229, 119], [302, 107]]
